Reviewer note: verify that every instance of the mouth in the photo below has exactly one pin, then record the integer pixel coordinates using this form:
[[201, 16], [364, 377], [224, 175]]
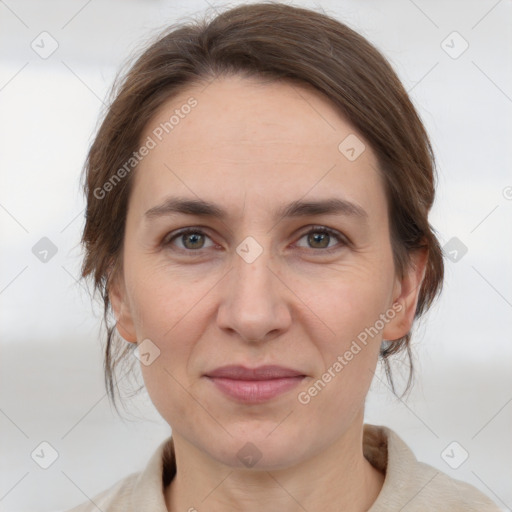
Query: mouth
[[254, 385]]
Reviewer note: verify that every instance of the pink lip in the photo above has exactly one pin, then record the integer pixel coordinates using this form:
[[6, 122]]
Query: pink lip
[[254, 385]]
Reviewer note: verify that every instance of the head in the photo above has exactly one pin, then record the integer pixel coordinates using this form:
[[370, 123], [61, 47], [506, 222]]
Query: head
[[286, 145]]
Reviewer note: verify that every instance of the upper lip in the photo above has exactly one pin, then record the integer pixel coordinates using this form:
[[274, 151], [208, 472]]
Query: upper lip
[[266, 372]]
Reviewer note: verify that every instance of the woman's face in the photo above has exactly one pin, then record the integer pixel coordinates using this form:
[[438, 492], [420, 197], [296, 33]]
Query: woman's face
[[271, 281]]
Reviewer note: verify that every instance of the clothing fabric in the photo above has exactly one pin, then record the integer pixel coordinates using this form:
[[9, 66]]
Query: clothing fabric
[[409, 485]]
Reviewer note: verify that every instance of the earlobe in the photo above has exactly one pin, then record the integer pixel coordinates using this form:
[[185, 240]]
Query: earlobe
[[118, 300], [406, 296]]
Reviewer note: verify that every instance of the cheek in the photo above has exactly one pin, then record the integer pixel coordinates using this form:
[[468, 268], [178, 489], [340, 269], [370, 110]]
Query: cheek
[[358, 305], [352, 309], [162, 297], [169, 323], [348, 301], [169, 390], [349, 354], [171, 309]]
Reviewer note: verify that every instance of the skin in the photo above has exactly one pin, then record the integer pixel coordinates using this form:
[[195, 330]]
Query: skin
[[251, 147]]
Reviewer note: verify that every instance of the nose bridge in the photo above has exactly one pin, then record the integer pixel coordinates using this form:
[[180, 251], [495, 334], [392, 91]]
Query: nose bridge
[[252, 303], [252, 275]]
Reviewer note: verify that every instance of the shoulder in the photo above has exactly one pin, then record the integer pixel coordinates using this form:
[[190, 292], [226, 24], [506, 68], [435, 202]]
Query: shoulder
[[138, 491], [413, 486], [115, 499]]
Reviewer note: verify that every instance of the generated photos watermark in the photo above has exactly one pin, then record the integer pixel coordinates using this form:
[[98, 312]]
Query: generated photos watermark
[[305, 397], [157, 135]]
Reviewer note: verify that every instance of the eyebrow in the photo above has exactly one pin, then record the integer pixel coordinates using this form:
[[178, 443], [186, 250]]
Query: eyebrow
[[298, 208]]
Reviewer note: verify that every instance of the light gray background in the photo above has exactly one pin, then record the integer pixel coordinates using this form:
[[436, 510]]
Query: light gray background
[[51, 385]]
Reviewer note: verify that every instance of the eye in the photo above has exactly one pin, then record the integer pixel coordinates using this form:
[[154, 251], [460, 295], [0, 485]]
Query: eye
[[195, 239], [191, 239], [320, 237]]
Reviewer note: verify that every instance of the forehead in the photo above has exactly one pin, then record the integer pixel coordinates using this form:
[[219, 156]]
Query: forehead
[[263, 139]]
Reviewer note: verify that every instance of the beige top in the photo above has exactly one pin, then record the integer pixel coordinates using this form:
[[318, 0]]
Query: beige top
[[409, 485]]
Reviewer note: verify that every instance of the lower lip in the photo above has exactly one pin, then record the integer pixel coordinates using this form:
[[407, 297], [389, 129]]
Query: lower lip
[[255, 391]]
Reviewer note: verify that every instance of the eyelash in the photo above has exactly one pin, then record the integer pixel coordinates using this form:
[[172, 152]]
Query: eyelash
[[167, 241]]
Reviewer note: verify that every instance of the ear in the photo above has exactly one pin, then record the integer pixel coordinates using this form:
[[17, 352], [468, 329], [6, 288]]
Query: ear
[[119, 301], [405, 296]]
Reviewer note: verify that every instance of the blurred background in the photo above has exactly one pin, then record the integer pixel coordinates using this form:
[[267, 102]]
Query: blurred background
[[57, 62]]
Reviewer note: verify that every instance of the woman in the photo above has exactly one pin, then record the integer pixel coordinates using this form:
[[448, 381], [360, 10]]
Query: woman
[[257, 221]]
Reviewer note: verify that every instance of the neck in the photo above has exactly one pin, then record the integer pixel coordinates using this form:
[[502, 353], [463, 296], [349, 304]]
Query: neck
[[337, 479]]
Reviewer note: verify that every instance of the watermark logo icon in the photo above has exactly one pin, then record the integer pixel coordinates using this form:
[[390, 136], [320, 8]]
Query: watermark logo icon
[[351, 147], [249, 249], [507, 193], [249, 455], [44, 250], [454, 455], [44, 45], [147, 352], [455, 249], [454, 45], [44, 455]]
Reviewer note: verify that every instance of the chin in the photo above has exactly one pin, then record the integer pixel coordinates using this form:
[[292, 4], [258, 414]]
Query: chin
[[257, 450]]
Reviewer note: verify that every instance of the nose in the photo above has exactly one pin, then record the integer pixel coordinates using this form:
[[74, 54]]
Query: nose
[[255, 303]]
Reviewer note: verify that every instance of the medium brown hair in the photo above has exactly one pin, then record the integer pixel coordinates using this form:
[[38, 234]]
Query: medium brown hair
[[275, 42]]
